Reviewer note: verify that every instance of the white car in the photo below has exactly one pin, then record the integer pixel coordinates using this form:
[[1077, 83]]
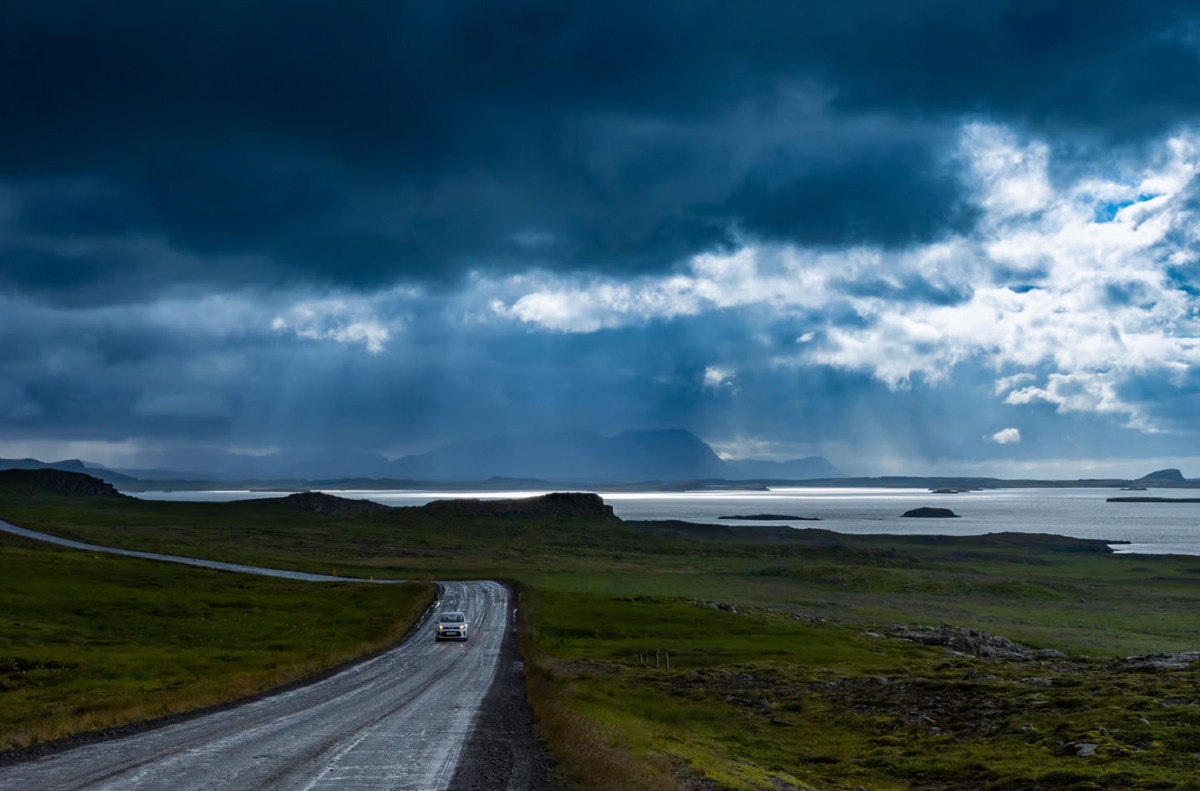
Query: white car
[[450, 626]]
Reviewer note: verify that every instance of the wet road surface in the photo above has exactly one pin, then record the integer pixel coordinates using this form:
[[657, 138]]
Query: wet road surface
[[397, 721]]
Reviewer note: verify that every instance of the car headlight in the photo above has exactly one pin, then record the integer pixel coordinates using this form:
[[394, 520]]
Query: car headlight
[[440, 627]]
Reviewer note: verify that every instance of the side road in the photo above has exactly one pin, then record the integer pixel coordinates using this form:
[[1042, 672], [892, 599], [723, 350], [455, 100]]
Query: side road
[[208, 564]]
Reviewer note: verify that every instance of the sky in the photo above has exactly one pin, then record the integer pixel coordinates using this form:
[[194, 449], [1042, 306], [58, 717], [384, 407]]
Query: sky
[[914, 237]]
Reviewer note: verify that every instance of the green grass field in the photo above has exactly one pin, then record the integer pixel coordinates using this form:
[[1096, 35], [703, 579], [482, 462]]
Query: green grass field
[[759, 700], [90, 641], [791, 691]]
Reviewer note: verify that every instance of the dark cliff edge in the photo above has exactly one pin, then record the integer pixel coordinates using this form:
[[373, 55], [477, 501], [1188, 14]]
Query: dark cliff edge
[[557, 504], [57, 482]]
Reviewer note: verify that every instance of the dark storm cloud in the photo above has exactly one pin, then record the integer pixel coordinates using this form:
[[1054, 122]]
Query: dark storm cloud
[[363, 142], [892, 194], [190, 378]]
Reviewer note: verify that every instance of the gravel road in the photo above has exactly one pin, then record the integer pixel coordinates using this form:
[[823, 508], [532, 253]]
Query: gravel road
[[208, 564], [398, 721]]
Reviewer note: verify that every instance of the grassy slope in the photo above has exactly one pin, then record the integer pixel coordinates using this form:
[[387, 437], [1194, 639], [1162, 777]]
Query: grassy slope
[[760, 701], [599, 594], [763, 701], [91, 641]]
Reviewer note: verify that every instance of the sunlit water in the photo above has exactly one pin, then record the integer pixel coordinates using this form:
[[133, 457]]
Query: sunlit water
[[1083, 513]]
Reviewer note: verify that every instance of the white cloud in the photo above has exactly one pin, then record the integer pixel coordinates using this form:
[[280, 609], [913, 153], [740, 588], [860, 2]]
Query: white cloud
[[1011, 178], [1007, 383], [784, 278], [337, 320], [1006, 436], [1067, 290], [719, 379]]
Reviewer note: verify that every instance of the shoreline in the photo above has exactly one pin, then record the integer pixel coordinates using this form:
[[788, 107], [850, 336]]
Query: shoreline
[[851, 512]]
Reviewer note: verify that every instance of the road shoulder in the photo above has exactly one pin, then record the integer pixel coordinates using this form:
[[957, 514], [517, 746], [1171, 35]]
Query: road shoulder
[[504, 754]]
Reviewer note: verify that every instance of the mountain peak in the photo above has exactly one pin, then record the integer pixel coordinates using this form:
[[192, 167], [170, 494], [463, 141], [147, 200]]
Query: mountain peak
[[1170, 475]]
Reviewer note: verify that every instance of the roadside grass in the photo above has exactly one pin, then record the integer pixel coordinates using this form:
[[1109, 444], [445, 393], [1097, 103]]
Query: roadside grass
[[90, 641], [1102, 604], [761, 701]]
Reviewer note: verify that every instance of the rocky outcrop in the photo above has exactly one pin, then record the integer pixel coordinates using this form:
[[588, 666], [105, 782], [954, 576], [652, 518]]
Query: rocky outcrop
[[930, 513], [1158, 663], [329, 505], [57, 482], [554, 505], [969, 641]]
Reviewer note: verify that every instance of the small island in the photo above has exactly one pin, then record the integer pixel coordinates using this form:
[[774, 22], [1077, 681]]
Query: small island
[[773, 518], [930, 513], [1154, 499]]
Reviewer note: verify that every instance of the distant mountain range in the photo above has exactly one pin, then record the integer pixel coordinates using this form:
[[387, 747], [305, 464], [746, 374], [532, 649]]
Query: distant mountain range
[[578, 456], [671, 455], [69, 465], [645, 460], [794, 470]]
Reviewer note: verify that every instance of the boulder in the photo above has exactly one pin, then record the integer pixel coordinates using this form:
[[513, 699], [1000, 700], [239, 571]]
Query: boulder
[[1160, 663], [965, 641]]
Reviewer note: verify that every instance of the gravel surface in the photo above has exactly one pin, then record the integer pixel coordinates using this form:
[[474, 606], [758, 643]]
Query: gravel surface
[[398, 721], [503, 753]]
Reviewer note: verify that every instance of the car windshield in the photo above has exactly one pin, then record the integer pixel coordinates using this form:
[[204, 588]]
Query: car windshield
[[452, 617]]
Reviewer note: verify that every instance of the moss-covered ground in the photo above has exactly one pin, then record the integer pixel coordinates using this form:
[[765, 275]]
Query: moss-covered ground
[[761, 700]]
